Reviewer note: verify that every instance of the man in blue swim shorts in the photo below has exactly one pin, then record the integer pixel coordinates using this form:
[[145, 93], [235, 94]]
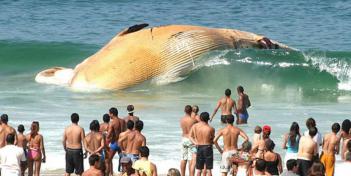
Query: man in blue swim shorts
[[243, 104]]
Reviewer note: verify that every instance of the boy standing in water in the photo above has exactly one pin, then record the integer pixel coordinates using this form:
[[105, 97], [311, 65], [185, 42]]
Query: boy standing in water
[[243, 104], [331, 145], [22, 142]]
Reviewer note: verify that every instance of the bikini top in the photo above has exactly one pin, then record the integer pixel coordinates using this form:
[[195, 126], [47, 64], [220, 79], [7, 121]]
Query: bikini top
[[293, 148], [272, 166]]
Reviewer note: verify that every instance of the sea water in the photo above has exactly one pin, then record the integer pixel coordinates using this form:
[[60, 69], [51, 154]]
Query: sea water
[[283, 86]]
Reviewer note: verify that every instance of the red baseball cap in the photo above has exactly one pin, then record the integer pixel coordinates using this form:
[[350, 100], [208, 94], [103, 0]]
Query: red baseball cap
[[266, 128]]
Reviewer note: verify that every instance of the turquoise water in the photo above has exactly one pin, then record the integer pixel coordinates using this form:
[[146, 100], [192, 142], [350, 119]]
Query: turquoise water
[[284, 86]]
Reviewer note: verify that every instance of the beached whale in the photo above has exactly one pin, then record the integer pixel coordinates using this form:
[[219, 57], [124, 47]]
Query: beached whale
[[138, 54]]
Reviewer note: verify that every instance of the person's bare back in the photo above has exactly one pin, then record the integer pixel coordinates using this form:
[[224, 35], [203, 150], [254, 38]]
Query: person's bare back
[[4, 131], [226, 105], [307, 148], [92, 172], [134, 141], [73, 137], [203, 134], [117, 126], [331, 143], [94, 142], [21, 140], [186, 123], [230, 137]]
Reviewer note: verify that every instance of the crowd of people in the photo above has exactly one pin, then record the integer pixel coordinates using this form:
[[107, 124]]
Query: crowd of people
[[124, 137]]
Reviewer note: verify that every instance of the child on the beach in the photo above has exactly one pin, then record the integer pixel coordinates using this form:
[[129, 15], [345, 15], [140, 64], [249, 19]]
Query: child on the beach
[[243, 159], [22, 142], [257, 136]]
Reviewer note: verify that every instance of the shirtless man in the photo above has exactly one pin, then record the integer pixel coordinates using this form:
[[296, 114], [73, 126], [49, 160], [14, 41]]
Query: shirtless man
[[72, 144], [230, 136], [188, 148], [94, 165], [331, 146], [194, 113], [259, 147], [94, 143], [36, 151], [116, 127], [202, 135], [243, 104], [131, 116], [227, 106], [307, 151], [123, 144], [105, 124], [345, 136], [134, 141], [5, 129], [22, 142]]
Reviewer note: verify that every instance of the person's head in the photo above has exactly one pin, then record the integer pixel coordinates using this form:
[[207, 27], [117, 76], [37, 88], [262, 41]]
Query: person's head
[[10, 139], [258, 130], [144, 151], [126, 163], [260, 165], [312, 131], [240, 89], [294, 131], [195, 109], [246, 146], [94, 126], [130, 109], [188, 109], [336, 128], [230, 119], [94, 160], [346, 125], [269, 145], [205, 117], [173, 172], [4, 118], [348, 145], [348, 156], [113, 112], [20, 128], [139, 125], [106, 118], [317, 169], [227, 92], [266, 131], [130, 124], [291, 165], [34, 127], [74, 118], [310, 122]]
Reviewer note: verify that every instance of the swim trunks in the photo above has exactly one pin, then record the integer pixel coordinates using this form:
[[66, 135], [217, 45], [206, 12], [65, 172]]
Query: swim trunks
[[74, 161], [224, 118], [114, 146], [204, 156], [244, 115], [188, 149], [133, 157], [328, 160], [225, 163], [303, 165]]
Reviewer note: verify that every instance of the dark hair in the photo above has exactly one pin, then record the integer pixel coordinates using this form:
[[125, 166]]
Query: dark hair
[[10, 139], [336, 127], [240, 89], [4, 118], [188, 109], [173, 172], [348, 156], [294, 131], [312, 131], [348, 145], [20, 128], [230, 119], [106, 118], [317, 169], [346, 125], [246, 146], [75, 118], [93, 159], [290, 164], [195, 109], [269, 144], [94, 126], [144, 151], [227, 92], [204, 116], [139, 125], [130, 109], [130, 124], [260, 165], [113, 111], [258, 129], [310, 122]]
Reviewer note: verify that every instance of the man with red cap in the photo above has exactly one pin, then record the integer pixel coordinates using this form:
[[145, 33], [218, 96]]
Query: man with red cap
[[260, 146]]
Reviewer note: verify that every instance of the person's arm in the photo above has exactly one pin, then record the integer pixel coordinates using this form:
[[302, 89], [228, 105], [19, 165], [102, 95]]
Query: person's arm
[[42, 148], [144, 141], [154, 169], [280, 165], [82, 137], [121, 139], [102, 145], [192, 135], [243, 135], [337, 146], [248, 101], [215, 110], [215, 141], [64, 140], [285, 141]]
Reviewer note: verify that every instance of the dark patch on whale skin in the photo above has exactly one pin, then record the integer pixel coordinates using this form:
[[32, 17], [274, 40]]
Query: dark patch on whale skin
[[134, 28]]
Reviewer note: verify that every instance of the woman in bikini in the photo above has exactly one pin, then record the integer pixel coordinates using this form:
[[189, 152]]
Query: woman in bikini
[[36, 151]]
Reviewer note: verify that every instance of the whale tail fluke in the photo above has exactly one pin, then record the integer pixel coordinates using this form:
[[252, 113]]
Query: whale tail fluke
[[55, 75]]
